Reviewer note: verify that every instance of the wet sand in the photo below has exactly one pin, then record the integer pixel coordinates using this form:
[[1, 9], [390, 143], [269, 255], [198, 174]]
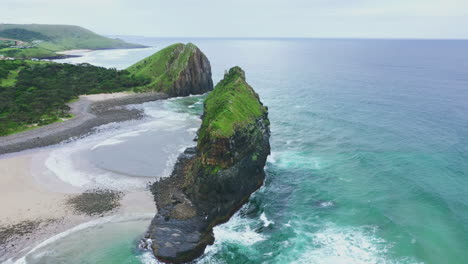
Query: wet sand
[[35, 205]]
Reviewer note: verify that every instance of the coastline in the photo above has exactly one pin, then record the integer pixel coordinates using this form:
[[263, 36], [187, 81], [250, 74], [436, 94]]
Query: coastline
[[41, 207], [90, 111], [40, 193], [75, 52]]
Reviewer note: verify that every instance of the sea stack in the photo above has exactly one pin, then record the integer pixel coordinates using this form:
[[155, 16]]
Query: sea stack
[[211, 181], [177, 70]]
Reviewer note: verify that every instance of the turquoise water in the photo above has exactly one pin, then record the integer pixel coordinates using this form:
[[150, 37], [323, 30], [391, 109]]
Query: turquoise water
[[107, 242], [369, 152]]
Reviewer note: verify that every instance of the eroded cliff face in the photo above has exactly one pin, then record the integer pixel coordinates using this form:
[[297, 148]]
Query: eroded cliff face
[[195, 78], [177, 70], [213, 180]]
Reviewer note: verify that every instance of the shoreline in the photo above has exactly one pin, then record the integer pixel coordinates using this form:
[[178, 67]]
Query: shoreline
[[37, 205], [76, 52], [90, 112], [34, 201]]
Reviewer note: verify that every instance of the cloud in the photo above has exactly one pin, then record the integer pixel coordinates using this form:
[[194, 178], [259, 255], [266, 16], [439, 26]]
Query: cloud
[[251, 18], [412, 8]]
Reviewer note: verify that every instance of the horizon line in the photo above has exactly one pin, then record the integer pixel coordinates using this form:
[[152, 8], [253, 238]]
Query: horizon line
[[259, 38]]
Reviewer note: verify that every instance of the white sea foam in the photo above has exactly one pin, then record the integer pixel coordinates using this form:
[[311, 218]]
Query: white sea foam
[[236, 231], [272, 157], [61, 164], [67, 165], [330, 245], [239, 231], [326, 204], [171, 161], [100, 221], [293, 159], [265, 220], [148, 258], [108, 142], [118, 139], [70, 165], [344, 245]]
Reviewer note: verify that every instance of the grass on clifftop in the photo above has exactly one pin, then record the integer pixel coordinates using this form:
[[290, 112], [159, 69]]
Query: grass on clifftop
[[163, 67], [230, 106]]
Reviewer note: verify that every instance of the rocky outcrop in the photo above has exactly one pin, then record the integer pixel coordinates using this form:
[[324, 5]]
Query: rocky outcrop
[[178, 70], [213, 180], [195, 78]]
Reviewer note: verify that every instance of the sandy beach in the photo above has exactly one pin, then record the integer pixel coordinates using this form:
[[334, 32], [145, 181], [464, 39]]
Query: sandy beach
[[73, 52], [35, 203]]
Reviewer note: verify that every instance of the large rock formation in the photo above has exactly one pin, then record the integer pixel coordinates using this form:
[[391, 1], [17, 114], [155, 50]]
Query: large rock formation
[[178, 70], [212, 181]]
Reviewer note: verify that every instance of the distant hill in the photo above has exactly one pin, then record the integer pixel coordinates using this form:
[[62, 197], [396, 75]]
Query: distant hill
[[52, 38]]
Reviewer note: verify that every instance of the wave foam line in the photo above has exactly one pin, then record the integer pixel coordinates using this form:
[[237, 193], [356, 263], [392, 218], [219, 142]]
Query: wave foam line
[[114, 218], [344, 245]]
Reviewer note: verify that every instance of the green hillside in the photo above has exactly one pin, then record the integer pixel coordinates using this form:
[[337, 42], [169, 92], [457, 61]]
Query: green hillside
[[163, 67], [44, 40], [35, 93]]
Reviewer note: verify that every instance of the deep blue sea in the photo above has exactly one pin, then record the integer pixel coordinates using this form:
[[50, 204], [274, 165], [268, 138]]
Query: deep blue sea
[[369, 158]]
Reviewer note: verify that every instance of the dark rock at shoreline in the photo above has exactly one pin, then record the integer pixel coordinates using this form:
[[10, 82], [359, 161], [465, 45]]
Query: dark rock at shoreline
[[10, 233], [211, 182], [95, 202]]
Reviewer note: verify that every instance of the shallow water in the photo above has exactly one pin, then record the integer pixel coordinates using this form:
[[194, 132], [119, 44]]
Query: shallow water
[[130, 154], [369, 152], [103, 242]]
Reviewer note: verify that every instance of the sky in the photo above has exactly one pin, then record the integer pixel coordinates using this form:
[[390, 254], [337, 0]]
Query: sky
[[431, 19]]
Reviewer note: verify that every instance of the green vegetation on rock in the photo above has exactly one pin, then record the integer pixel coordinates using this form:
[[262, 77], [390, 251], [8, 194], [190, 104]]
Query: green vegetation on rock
[[231, 105], [163, 67], [42, 41]]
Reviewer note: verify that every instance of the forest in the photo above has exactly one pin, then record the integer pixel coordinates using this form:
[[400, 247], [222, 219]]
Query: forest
[[36, 93]]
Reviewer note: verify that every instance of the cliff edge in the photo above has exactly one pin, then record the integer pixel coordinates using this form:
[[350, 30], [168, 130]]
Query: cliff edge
[[213, 180], [177, 70]]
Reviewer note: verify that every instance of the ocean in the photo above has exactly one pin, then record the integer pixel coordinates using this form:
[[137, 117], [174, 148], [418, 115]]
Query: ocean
[[369, 155]]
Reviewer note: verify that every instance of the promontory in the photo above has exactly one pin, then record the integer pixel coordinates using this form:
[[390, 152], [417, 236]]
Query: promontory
[[211, 181]]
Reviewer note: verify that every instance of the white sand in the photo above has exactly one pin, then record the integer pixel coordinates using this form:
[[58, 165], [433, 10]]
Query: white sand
[[73, 52], [29, 192], [21, 198], [105, 96]]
